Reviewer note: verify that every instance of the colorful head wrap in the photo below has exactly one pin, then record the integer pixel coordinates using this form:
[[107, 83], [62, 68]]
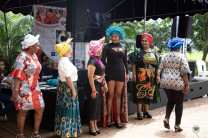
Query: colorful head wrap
[[29, 40], [116, 30], [95, 46], [63, 47], [175, 43], [149, 38]]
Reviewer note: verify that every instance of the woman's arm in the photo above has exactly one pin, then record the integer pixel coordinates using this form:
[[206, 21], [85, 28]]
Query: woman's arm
[[91, 72], [70, 83], [15, 92], [104, 54], [133, 66], [185, 79]]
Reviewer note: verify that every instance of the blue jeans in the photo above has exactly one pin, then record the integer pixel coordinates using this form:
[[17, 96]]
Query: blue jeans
[[9, 105]]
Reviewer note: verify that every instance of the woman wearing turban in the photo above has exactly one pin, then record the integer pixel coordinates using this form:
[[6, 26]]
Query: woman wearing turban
[[144, 67], [96, 82], [173, 69], [26, 92], [116, 75], [67, 115]]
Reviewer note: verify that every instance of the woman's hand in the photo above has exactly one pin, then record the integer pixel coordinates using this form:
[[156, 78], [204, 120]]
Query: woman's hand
[[158, 79], [74, 94], [93, 95], [14, 96], [186, 89], [134, 78], [106, 88], [127, 77]]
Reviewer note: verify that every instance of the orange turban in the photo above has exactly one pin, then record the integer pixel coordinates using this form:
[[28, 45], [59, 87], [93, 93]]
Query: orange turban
[[149, 38]]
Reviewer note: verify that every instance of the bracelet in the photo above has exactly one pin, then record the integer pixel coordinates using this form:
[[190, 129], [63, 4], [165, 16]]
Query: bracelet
[[134, 75], [15, 89], [94, 91]]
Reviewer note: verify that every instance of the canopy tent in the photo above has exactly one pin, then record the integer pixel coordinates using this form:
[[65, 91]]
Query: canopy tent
[[120, 10]]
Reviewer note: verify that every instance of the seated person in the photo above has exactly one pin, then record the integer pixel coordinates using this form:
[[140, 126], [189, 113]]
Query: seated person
[[4, 97]]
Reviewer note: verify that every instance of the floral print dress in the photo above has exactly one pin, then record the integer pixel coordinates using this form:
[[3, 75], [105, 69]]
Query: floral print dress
[[27, 69]]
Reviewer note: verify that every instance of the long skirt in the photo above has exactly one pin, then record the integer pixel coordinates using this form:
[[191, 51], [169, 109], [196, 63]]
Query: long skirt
[[67, 115], [94, 105]]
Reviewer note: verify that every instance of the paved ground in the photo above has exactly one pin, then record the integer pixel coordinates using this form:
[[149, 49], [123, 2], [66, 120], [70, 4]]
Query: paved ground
[[195, 113]]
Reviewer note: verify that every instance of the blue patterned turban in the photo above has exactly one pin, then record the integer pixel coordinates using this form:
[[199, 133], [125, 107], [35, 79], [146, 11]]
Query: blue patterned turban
[[175, 43], [116, 30]]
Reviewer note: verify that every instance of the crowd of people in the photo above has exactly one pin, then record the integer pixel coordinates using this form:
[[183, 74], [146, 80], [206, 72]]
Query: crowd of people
[[106, 87]]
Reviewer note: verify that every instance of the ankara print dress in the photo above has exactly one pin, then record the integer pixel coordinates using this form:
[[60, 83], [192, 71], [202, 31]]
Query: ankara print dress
[[27, 69], [146, 90]]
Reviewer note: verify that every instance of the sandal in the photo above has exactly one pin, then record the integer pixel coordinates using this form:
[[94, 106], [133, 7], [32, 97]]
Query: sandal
[[139, 116], [118, 125], [19, 135], [166, 123], [178, 128], [37, 136], [108, 124], [147, 115]]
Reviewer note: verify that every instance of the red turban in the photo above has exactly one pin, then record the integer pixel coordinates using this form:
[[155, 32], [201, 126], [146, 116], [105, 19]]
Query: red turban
[[149, 38]]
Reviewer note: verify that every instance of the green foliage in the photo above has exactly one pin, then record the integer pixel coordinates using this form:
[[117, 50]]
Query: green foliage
[[17, 29], [160, 30]]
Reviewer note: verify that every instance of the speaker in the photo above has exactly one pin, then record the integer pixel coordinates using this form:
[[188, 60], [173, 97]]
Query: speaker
[[138, 41], [185, 26], [87, 25]]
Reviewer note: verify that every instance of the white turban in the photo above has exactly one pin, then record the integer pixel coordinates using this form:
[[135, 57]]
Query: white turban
[[29, 40]]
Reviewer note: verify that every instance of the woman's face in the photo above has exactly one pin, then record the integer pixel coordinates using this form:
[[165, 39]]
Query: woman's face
[[99, 53], [115, 38], [34, 48], [145, 42], [68, 53]]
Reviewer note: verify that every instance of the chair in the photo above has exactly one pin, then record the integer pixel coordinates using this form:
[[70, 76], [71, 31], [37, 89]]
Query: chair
[[3, 106], [201, 68]]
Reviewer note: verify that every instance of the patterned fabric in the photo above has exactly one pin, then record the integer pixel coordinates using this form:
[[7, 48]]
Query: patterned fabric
[[67, 115], [146, 90], [173, 66], [116, 30], [99, 78], [27, 68], [1, 77]]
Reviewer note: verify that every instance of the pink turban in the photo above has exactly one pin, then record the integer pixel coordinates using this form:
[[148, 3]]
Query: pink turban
[[95, 46], [149, 38]]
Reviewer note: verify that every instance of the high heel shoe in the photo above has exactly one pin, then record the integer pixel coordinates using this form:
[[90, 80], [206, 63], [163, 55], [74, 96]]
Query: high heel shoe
[[178, 128], [98, 132], [147, 115], [92, 133], [166, 123], [139, 116], [119, 125], [108, 124]]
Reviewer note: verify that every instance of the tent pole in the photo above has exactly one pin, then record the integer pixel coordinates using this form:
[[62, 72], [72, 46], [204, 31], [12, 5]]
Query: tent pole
[[145, 14], [6, 32]]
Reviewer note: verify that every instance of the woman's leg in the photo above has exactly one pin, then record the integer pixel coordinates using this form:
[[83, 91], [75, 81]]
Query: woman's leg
[[111, 88], [146, 108], [21, 116], [38, 114], [119, 88], [178, 100], [170, 104], [92, 126], [139, 108]]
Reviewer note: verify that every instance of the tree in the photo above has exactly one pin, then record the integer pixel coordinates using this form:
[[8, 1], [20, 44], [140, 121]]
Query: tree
[[200, 34], [160, 30], [9, 49]]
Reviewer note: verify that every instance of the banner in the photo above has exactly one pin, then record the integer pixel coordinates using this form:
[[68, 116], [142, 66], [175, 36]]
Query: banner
[[49, 23]]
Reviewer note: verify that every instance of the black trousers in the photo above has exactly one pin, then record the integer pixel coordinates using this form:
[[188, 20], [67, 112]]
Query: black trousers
[[174, 98]]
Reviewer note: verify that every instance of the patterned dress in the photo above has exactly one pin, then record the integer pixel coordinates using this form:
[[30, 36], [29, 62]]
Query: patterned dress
[[27, 69], [145, 89], [67, 115]]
